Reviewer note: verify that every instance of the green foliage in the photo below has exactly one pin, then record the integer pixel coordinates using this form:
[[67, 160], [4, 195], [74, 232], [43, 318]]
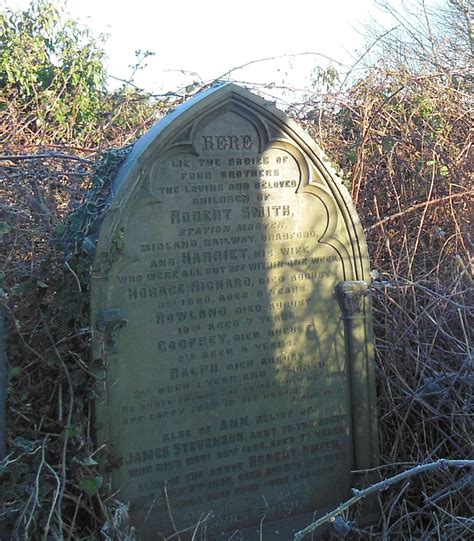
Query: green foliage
[[52, 68], [91, 484], [326, 77], [83, 222], [53, 84]]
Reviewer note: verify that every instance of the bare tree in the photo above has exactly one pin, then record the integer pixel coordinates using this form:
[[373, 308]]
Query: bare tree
[[424, 36]]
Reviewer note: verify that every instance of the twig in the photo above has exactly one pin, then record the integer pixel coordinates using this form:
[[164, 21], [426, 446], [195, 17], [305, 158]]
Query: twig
[[57, 155], [269, 58], [423, 216], [417, 206], [170, 513], [3, 386], [357, 174], [35, 492], [388, 516], [53, 505], [74, 274], [74, 517], [69, 416], [364, 54], [462, 483], [202, 520], [382, 485], [261, 527]]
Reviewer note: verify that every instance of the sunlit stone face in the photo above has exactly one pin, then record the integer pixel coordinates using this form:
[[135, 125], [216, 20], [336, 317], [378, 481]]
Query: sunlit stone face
[[227, 387]]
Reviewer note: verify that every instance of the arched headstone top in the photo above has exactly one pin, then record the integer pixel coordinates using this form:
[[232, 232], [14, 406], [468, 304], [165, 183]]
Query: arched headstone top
[[231, 317], [180, 132]]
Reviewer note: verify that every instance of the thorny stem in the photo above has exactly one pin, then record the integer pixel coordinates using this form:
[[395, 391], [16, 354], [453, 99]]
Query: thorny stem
[[382, 485]]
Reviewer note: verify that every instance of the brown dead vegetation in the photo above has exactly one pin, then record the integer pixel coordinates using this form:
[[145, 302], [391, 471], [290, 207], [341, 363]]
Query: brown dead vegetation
[[404, 144]]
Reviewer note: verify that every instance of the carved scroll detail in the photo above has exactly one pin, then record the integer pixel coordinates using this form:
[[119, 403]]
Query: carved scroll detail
[[351, 296], [110, 322]]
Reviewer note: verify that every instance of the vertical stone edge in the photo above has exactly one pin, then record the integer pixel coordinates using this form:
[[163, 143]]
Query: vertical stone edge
[[355, 301]]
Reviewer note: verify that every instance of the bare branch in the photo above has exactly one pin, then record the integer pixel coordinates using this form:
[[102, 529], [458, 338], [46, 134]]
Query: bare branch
[[382, 485]]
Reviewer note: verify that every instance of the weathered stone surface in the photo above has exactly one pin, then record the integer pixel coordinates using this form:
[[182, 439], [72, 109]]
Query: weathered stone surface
[[230, 310]]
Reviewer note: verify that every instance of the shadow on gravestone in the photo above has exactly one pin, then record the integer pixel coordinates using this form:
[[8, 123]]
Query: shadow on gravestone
[[231, 318]]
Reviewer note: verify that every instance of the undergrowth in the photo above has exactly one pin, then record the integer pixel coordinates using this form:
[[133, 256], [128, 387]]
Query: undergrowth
[[403, 142]]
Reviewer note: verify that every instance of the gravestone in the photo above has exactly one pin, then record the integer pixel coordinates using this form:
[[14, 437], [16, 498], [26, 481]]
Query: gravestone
[[230, 312]]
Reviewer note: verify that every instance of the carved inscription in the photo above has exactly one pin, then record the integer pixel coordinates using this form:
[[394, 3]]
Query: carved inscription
[[240, 404]]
